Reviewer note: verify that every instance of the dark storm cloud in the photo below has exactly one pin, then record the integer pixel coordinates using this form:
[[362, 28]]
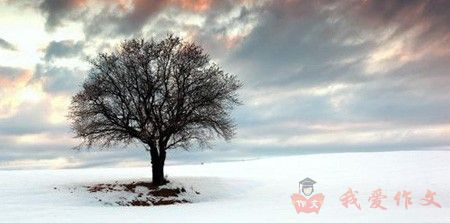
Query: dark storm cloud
[[56, 11], [296, 52], [117, 18], [405, 14], [297, 47], [295, 44], [429, 19], [63, 49], [7, 45], [112, 20]]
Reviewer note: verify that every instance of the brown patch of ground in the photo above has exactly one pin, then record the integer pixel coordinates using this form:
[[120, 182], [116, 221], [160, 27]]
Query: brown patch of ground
[[154, 196]]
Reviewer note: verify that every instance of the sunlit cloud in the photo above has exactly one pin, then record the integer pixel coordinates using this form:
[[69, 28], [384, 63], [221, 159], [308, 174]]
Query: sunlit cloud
[[395, 53], [194, 5], [340, 135], [58, 109], [55, 163], [272, 95], [45, 139], [18, 90]]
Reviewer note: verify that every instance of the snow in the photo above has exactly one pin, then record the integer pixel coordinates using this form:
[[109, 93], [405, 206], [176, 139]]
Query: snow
[[241, 191]]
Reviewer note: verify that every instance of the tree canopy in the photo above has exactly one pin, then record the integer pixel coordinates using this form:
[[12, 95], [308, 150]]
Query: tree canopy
[[166, 94]]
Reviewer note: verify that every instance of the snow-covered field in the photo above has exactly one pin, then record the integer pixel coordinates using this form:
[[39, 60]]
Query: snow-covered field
[[242, 191]]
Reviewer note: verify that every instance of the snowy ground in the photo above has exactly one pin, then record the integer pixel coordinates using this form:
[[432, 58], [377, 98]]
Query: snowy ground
[[245, 191]]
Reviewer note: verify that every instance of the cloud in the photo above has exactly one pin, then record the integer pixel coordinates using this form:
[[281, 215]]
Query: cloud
[[392, 76], [16, 88], [7, 45], [53, 163], [319, 76], [10, 72], [116, 19], [56, 11], [117, 15], [297, 51], [59, 79], [63, 49], [127, 18]]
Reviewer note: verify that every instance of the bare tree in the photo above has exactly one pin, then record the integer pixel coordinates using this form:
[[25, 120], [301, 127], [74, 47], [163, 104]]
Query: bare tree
[[165, 94]]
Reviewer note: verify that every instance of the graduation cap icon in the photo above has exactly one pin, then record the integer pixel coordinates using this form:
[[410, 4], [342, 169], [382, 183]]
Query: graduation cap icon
[[306, 186]]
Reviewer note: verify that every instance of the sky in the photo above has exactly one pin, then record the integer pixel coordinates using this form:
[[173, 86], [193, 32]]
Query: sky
[[319, 76]]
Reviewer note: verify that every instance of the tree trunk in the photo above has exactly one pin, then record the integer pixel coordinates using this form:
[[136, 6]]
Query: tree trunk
[[158, 167], [158, 174]]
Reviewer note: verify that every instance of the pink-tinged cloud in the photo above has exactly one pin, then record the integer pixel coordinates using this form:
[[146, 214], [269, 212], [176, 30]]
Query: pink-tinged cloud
[[15, 90], [230, 41], [17, 80], [192, 5]]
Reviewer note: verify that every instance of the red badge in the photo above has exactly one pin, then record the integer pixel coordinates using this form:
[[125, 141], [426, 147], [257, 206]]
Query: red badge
[[307, 205]]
